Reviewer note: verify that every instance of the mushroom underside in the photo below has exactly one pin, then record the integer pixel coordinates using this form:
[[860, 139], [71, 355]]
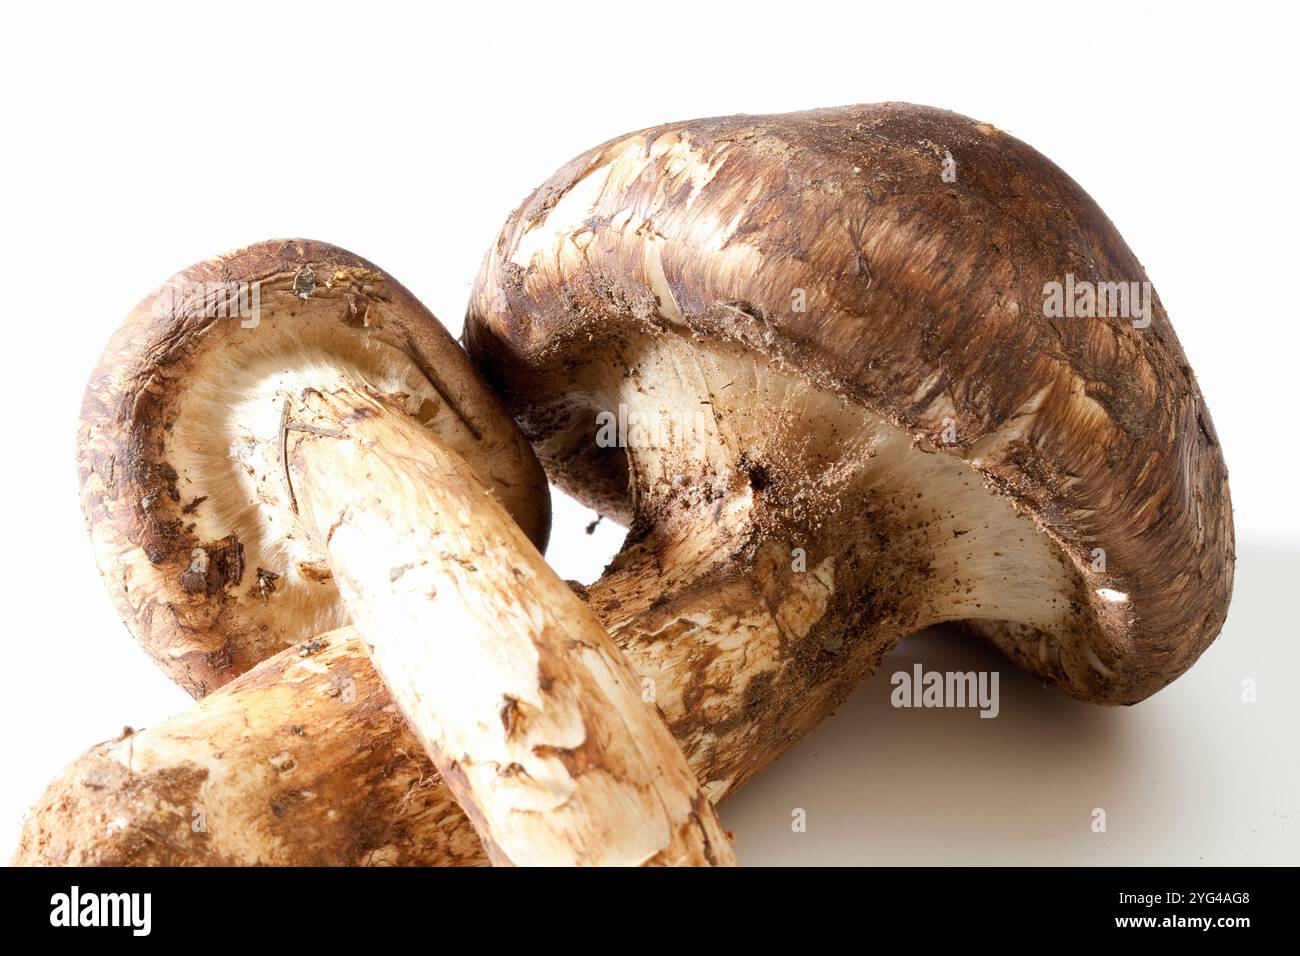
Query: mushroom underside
[[229, 439], [211, 560], [800, 528]]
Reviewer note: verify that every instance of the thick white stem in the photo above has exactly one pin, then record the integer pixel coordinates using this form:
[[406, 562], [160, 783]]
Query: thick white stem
[[517, 693]]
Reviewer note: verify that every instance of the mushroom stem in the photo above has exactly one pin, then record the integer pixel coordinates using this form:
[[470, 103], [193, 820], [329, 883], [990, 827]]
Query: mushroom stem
[[514, 689], [300, 761], [788, 540]]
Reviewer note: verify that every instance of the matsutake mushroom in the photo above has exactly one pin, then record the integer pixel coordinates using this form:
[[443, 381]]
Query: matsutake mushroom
[[283, 439], [809, 359], [850, 404]]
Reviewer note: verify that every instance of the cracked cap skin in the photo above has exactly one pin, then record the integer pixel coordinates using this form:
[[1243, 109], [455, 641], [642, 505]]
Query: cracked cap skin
[[922, 243], [181, 488]]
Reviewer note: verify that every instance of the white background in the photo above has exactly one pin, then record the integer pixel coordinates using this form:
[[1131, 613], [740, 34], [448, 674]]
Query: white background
[[138, 139]]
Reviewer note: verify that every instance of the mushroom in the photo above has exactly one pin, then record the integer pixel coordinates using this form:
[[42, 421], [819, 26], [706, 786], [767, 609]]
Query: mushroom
[[819, 438], [819, 361], [283, 439]]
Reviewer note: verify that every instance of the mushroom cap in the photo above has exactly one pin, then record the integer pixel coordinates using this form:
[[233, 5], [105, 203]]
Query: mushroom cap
[[923, 244], [182, 485]]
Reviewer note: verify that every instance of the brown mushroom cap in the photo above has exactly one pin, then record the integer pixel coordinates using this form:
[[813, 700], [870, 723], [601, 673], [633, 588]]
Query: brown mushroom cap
[[182, 488], [831, 265]]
